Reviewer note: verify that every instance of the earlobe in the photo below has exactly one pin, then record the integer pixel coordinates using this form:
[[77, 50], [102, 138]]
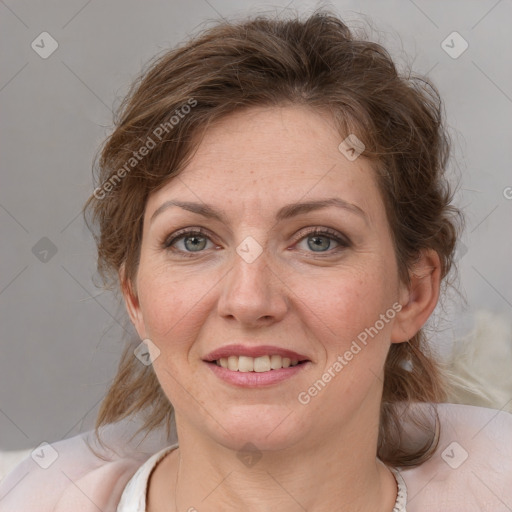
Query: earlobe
[[131, 302], [419, 299]]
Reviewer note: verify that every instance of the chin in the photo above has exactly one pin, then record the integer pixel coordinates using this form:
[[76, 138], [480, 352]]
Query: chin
[[267, 427]]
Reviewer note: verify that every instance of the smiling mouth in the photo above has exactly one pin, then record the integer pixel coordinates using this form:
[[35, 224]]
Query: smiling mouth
[[256, 364]]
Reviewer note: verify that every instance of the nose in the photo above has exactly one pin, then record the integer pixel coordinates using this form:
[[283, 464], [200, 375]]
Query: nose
[[253, 293]]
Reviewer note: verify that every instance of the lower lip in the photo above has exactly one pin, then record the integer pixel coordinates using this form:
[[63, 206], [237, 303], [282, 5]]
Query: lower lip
[[256, 379]]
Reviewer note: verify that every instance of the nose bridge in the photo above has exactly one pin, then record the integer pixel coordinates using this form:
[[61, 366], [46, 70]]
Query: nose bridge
[[250, 290], [250, 265]]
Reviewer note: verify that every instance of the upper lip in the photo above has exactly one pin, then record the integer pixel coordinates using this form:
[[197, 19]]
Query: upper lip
[[253, 351]]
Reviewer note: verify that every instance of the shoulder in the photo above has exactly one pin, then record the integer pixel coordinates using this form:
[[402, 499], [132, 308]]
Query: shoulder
[[68, 475], [471, 469]]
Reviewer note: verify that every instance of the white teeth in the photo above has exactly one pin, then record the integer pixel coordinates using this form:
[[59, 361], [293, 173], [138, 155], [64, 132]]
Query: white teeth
[[262, 364], [245, 364], [233, 363], [276, 362], [255, 364]]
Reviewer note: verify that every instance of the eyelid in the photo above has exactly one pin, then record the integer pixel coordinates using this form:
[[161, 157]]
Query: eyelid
[[180, 233], [342, 240], [328, 232]]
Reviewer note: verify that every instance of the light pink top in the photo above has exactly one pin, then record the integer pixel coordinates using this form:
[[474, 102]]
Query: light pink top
[[471, 470]]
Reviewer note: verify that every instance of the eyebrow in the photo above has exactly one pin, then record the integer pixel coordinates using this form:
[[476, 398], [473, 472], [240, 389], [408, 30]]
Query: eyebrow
[[286, 212]]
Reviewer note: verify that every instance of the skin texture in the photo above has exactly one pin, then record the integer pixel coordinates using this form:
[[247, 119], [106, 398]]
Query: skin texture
[[313, 299]]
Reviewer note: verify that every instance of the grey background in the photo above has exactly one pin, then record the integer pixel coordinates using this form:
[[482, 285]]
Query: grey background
[[61, 337]]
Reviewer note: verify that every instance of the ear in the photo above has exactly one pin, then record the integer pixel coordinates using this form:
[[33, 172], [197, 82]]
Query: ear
[[419, 298], [131, 302]]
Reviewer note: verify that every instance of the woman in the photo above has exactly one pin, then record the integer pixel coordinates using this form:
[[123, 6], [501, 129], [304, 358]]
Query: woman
[[274, 207]]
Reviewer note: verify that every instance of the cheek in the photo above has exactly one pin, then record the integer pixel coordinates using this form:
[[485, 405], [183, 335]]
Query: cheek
[[347, 302], [331, 306], [355, 324], [171, 304]]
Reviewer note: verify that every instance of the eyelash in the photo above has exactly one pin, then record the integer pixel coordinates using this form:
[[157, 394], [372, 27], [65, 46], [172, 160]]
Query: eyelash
[[329, 233]]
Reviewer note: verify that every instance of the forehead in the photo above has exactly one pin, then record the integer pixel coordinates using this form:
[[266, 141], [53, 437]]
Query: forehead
[[272, 155]]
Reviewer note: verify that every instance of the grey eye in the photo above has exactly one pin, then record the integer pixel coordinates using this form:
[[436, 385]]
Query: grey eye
[[319, 242], [195, 243]]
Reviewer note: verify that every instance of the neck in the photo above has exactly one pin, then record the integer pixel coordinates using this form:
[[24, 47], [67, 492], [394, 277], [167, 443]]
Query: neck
[[320, 487], [341, 473]]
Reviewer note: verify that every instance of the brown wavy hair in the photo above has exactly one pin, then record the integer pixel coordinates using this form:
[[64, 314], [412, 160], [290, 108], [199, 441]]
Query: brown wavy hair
[[272, 61]]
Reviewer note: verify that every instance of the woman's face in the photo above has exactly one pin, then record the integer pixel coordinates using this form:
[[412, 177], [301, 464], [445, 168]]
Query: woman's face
[[255, 281]]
